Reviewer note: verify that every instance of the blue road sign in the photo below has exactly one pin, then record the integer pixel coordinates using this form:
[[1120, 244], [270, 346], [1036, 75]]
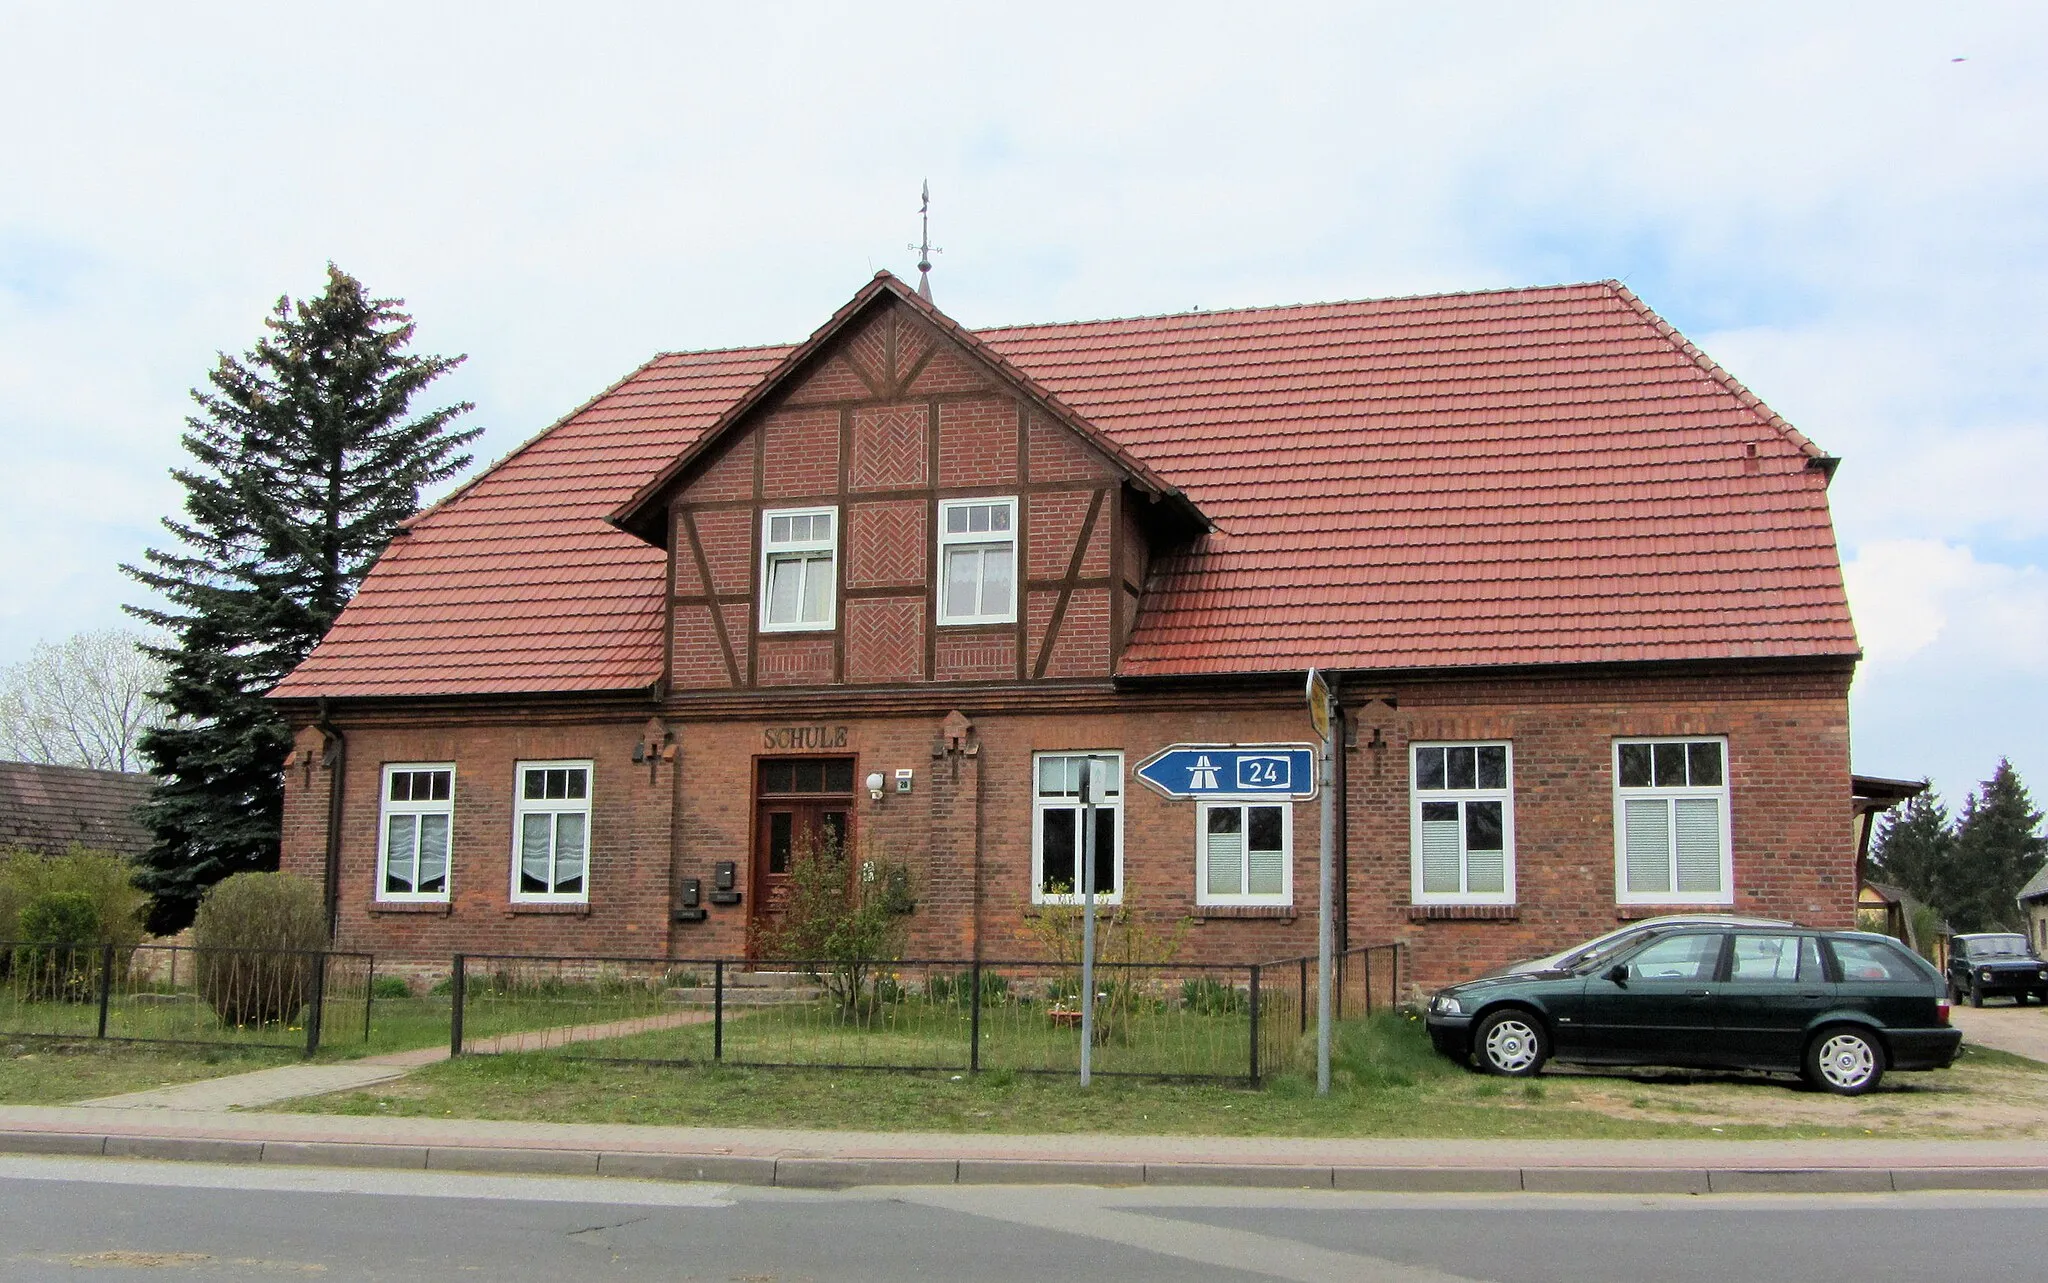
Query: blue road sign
[[1232, 770]]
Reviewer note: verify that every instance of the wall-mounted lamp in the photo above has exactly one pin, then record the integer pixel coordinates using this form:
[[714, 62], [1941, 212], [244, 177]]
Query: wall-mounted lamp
[[875, 783]]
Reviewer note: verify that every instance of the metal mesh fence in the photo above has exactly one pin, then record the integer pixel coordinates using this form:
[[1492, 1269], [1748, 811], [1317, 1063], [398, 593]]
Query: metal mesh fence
[[185, 994], [1173, 1020], [1363, 981]]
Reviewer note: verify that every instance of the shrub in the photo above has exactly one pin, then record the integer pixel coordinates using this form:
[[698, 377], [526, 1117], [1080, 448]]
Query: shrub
[[255, 933], [1209, 996], [60, 932], [840, 921], [107, 879], [959, 987], [390, 987]]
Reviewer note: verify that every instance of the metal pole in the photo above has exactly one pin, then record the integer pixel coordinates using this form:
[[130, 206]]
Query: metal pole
[[1301, 995], [1255, 1024], [106, 982], [1087, 919], [1326, 932], [369, 995], [974, 1020], [718, 1011], [316, 1003], [460, 982]]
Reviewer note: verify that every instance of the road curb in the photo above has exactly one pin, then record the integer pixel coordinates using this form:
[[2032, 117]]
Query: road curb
[[807, 1172]]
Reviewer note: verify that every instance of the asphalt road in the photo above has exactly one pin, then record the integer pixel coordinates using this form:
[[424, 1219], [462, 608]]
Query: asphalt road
[[84, 1219]]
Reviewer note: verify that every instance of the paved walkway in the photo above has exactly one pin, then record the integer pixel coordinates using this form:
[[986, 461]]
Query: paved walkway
[[288, 1082], [823, 1159], [2023, 1031]]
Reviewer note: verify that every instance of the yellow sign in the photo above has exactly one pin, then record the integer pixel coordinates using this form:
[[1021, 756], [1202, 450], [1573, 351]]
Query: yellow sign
[[1319, 703]]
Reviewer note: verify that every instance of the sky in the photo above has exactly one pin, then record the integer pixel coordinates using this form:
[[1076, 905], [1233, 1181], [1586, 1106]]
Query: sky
[[1846, 205]]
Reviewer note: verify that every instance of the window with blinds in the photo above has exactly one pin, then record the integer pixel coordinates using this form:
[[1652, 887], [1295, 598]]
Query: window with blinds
[[1671, 822], [1244, 853], [1462, 823]]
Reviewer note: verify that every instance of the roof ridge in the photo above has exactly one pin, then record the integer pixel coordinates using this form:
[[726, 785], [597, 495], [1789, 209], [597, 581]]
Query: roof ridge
[[1289, 307], [1713, 370], [406, 526], [721, 351]]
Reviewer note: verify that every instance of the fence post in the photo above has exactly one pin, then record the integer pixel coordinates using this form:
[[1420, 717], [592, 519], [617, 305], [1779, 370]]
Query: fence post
[[1255, 1024], [974, 1020], [1303, 994], [1368, 981], [369, 994], [460, 980], [316, 1005], [718, 1010], [1337, 995], [106, 984]]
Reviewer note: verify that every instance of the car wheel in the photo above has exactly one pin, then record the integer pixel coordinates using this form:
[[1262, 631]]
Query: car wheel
[[1511, 1043], [1955, 991], [1845, 1061], [2020, 999], [1976, 995]]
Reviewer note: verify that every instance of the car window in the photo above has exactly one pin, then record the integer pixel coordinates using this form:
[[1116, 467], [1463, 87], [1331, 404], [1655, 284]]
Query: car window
[[1686, 957], [1786, 958], [1871, 962], [1999, 947], [1597, 952]]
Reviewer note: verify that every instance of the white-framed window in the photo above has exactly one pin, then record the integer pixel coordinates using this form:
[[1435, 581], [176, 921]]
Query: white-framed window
[[417, 816], [1461, 823], [799, 569], [978, 561], [1056, 810], [1671, 838], [551, 832], [1244, 851]]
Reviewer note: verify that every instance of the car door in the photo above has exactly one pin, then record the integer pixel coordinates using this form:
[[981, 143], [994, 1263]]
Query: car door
[[1654, 1007], [1776, 988]]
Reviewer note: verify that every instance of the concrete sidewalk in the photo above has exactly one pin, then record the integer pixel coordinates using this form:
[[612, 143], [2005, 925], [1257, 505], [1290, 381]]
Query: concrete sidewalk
[[821, 1159]]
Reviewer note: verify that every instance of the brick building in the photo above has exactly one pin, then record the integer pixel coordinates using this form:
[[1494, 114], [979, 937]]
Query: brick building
[[1577, 590]]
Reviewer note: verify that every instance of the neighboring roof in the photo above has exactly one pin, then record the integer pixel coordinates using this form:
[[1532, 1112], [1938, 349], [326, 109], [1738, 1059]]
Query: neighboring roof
[[2036, 887], [1875, 793], [52, 808], [1514, 477]]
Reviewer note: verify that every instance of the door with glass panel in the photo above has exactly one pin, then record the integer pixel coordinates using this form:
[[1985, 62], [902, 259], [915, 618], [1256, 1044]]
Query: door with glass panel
[[803, 807]]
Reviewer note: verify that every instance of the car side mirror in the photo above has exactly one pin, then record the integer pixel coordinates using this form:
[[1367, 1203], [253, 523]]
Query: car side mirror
[[1618, 973]]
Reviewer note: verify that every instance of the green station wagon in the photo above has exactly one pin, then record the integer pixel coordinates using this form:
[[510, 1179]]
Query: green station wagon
[[1839, 1007]]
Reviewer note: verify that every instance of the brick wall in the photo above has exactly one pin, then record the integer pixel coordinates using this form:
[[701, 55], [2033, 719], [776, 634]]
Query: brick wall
[[1788, 769]]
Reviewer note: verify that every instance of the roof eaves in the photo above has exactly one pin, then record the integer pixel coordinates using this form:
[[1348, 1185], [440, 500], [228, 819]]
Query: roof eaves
[[1816, 457], [627, 516]]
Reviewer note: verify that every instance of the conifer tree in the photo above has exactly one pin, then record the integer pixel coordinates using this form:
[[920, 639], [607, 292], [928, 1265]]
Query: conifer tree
[[1912, 847], [305, 457], [1998, 846]]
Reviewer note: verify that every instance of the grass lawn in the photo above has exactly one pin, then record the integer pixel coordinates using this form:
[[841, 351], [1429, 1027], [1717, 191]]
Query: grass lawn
[[1388, 1083], [47, 1072]]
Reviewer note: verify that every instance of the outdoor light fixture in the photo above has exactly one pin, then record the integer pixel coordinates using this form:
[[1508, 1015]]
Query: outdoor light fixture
[[875, 782]]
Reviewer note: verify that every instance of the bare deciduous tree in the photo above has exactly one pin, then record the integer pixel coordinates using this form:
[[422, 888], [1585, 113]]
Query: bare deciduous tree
[[84, 701]]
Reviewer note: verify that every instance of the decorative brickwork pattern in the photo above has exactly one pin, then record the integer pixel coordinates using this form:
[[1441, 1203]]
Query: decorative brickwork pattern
[[832, 382], [975, 657], [886, 544], [885, 639], [890, 450], [793, 661]]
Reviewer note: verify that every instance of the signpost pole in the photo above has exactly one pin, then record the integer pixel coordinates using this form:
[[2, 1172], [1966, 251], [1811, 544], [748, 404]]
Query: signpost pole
[[1087, 919], [1319, 702]]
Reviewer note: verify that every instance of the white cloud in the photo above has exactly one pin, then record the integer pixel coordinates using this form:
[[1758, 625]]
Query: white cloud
[[1910, 595]]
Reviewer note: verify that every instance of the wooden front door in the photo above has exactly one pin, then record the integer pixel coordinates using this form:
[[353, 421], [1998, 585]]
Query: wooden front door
[[800, 804]]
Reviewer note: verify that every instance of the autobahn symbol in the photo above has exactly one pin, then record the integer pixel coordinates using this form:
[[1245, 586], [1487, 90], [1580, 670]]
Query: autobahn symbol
[[1232, 770]]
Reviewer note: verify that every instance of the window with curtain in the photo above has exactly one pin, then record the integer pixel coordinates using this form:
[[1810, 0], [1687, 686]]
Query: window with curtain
[[418, 815], [799, 569], [978, 561], [551, 832]]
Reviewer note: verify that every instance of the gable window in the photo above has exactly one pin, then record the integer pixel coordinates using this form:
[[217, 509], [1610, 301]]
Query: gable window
[[1461, 823], [1244, 852], [551, 832], [799, 569], [1671, 822], [412, 852], [978, 561], [1057, 858]]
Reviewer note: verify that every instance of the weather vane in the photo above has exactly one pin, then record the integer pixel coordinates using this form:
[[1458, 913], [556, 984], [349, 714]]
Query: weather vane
[[925, 249]]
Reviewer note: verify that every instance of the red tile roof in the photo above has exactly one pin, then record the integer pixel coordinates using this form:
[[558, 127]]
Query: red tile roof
[[1515, 477]]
